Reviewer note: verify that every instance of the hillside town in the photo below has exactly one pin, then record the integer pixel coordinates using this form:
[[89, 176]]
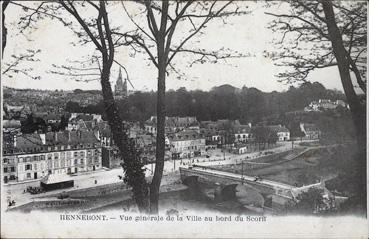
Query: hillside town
[[60, 150], [84, 143]]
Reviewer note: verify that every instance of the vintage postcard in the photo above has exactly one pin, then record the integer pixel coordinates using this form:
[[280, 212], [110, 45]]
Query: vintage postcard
[[184, 119]]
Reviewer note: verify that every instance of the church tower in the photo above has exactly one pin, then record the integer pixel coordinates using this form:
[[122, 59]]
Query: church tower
[[121, 91]]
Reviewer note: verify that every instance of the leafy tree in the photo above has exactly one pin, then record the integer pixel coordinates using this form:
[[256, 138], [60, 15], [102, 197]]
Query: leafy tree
[[309, 201], [264, 135], [33, 124]]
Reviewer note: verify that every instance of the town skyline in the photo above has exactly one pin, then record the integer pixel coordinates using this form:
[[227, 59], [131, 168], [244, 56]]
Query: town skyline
[[168, 90]]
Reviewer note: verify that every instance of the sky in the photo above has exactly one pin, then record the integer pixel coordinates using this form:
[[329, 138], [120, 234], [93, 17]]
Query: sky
[[247, 34]]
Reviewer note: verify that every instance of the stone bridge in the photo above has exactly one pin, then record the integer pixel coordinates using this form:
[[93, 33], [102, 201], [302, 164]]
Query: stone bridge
[[264, 186]]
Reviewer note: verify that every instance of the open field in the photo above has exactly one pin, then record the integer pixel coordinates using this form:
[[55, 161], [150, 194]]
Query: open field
[[314, 165]]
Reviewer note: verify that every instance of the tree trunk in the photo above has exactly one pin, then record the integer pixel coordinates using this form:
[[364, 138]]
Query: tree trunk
[[358, 109], [4, 29], [160, 134], [133, 167]]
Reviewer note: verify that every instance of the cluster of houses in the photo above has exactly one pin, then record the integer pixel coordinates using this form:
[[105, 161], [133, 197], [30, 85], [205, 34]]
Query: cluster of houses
[[86, 144], [325, 104], [186, 137]]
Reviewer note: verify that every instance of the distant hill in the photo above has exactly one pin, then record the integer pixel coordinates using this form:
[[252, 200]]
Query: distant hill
[[224, 101], [225, 89]]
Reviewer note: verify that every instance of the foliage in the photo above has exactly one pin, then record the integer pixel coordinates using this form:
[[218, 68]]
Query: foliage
[[32, 124], [246, 104], [309, 201], [264, 135]]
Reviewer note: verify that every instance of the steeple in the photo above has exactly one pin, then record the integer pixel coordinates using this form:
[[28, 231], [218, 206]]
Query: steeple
[[120, 87]]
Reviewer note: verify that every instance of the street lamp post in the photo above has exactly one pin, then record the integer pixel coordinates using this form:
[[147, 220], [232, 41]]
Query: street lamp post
[[242, 171]]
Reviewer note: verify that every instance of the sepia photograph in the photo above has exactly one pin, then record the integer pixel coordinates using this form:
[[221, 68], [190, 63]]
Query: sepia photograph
[[184, 119]]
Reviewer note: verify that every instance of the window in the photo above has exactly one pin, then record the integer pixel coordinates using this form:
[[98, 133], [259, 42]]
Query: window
[[56, 155], [75, 154], [82, 161], [6, 160], [29, 167], [49, 156], [28, 175], [49, 164], [5, 170], [75, 161], [35, 166], [20, 160], [12, 177], [12, 169]]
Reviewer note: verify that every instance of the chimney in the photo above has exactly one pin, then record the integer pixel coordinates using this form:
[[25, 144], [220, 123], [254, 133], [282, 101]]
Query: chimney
[[249, 124], [43, 138]]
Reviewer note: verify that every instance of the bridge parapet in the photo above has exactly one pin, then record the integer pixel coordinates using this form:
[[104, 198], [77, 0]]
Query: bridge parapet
[[209, 176]]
